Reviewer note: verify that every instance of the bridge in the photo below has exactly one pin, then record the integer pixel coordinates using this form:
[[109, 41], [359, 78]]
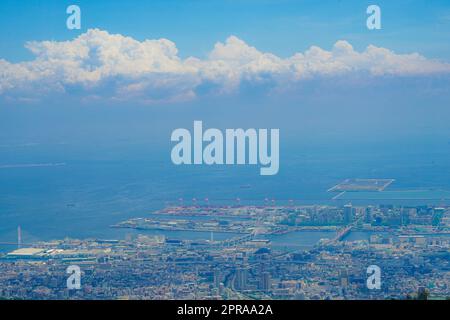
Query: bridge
[[342, 233], [237, 240]]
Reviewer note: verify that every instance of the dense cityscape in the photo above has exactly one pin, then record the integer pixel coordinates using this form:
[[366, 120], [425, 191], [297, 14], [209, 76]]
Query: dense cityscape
[[410, 245]]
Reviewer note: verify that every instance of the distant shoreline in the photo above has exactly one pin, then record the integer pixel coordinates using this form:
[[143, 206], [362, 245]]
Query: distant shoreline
[[32, 165]]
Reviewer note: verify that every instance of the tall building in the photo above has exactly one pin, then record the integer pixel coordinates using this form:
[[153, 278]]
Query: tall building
[[405, 216], [369, 215], [240, 279], [348, 213], [264, 282], [343, 279], [438, 214], [217, 277]]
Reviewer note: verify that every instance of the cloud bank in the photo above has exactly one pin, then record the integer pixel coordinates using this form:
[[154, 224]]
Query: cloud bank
[[100, 65]]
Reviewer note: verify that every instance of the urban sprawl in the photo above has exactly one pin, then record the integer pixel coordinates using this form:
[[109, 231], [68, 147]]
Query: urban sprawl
[[410, 245]]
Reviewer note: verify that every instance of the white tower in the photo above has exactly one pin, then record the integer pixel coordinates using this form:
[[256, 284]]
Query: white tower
[[19, 237]]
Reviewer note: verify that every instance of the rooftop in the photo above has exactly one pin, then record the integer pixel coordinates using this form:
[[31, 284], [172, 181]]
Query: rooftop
[[25, 252]]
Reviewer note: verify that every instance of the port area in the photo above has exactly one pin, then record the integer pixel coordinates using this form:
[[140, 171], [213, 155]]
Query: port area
[[261, 220], [241, 226]]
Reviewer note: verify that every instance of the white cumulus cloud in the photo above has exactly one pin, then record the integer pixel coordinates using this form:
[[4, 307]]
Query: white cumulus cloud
[[112, 66]]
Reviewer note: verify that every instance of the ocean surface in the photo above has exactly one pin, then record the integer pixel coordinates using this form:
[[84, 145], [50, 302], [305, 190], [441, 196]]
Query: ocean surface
[[79, 191]]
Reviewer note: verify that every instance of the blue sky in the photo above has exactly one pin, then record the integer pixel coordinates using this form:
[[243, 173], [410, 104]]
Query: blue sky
[[283, 67], [279, 26]]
